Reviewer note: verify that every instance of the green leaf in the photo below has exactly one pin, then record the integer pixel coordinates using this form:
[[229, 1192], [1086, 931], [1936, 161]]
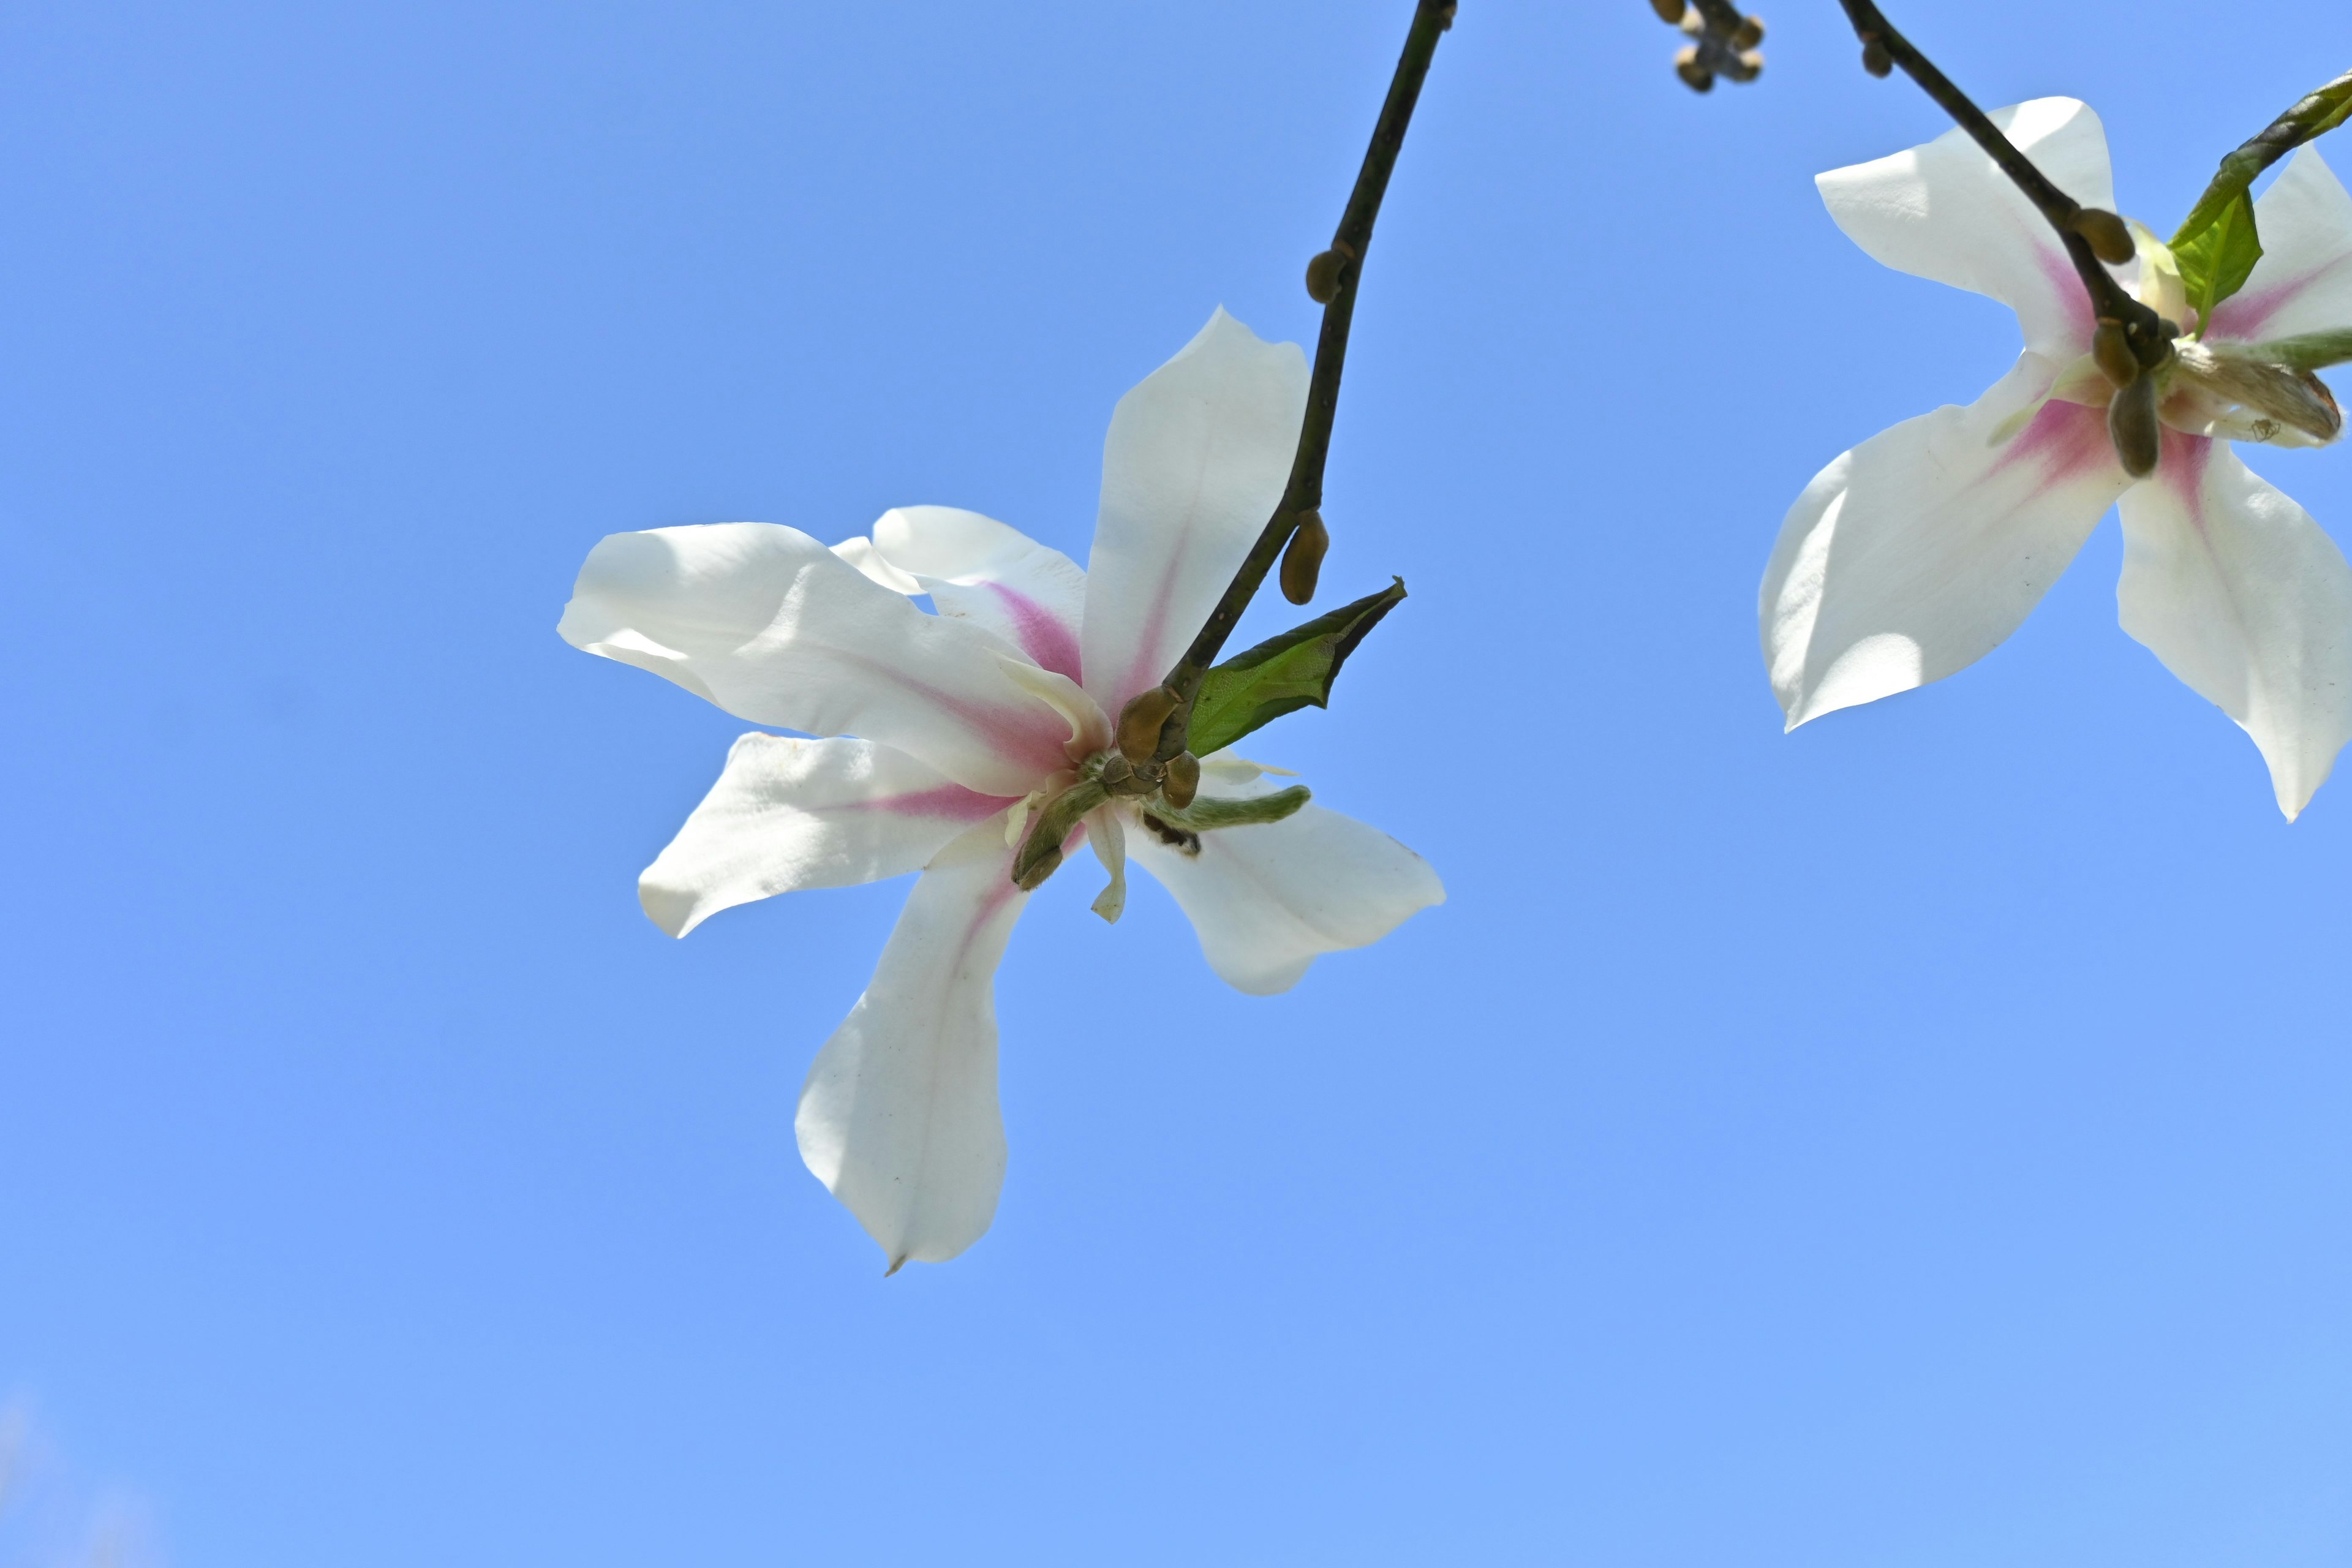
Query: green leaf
[[2216, 260], [1282, 673], [2216, 243]]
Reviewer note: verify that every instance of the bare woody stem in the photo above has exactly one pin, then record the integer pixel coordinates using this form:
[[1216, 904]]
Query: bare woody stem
[[2068, 217], [1343, 264]]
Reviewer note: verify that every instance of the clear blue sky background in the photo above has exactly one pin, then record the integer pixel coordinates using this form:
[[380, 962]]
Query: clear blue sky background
[[1925, 1140]]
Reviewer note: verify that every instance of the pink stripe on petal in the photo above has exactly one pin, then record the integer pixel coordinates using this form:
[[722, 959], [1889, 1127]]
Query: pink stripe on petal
[[2067, 439], [2059, 269], [952, 801], [1043, 635]]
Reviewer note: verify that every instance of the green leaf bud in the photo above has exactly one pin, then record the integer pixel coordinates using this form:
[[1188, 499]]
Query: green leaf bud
[[1877, 60], [1139, 722], [2111, 350], [1040, 855], [1323, 277], [2132, 427], [1302, 560], [2110, 239], [1183, 781]]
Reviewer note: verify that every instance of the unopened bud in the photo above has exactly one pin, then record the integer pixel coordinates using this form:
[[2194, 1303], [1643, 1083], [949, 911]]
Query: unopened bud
[[2132, 427], [1323, 277], [2109, 236], [1669, 11], [2111, 350], [1183, 781], [1751, 34], [1115, 771], [1696, 76], [1139, 722], [1033, 876], [1877, 60], [1745, 67], [1302, 563]]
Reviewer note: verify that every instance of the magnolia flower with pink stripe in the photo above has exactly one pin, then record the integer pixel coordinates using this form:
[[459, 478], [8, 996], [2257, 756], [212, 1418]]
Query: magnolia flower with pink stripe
[[965, 721], [1917, 552]]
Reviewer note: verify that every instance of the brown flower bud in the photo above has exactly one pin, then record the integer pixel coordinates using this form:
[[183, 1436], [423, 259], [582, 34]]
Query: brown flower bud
[[1751, 34], [1696, 76], [1141, 719], [1745, 67], [1302, 563], [1877, 60], [1115, 771], [2132, 427], [1669, 11], [2111, 350], [1323, 277], [1183, 781], [2109, 236]]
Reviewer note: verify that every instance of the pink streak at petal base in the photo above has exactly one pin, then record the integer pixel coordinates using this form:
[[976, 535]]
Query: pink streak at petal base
[[2060, 272], [2241, 317], [1032, 734], [2181, 471], [952, 801], [1044, 637], [2067, 439]]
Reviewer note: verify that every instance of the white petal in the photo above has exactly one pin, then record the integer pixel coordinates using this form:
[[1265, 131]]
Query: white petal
[[1108, 834], [772, 626], [859, 552], [2244, 597], [1266, 899], [998, 577], [789, 813], [1197, 457], [899, 1117], [1913, 554], [1945, 211], [2304, 281]]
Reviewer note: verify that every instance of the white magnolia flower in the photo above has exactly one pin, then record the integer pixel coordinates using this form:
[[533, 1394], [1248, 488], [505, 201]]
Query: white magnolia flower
[[1917, 551], [967, 720]]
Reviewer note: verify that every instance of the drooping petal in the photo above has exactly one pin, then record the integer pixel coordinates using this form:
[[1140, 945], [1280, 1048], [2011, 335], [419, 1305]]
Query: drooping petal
[[789, 813], [997, 577], [1913, 554], [2247, 600], [859, 552], [899, 1117], [1108, 834], [1265, 900], [774, 627], [1196, 459], [2304, 281], [1945, 211]]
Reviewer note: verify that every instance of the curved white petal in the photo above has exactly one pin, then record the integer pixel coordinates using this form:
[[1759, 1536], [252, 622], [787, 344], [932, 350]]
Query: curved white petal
[[997, 577], [1917, 551], [2304, 281], [1265, 900], [2244, 598], [899, 1117], [1945, 211], [1197, 457], [774, 627], [859, 552], [789, 813]]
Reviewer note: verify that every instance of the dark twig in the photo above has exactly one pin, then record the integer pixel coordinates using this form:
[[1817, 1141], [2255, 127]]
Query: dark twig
[[1331, 277], [2078, 227]]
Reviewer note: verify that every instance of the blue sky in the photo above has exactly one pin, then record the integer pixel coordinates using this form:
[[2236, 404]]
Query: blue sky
[[1920, 1140]]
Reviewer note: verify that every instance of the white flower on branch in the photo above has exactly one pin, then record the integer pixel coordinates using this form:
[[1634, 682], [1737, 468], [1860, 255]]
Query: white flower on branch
[[1917, 552], [969, 721]]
